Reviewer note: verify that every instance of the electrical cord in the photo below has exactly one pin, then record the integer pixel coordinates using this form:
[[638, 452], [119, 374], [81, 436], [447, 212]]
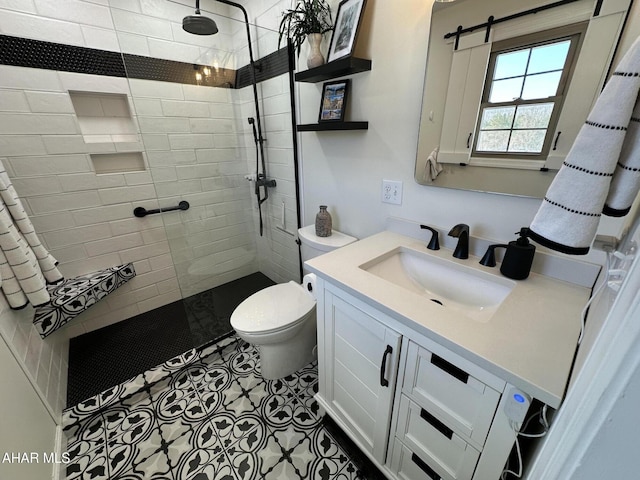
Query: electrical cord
[[518, 474], [542, 414], [543, 419]]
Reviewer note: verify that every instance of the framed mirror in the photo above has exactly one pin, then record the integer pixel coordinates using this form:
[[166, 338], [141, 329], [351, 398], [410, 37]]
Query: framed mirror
[[508, 86]]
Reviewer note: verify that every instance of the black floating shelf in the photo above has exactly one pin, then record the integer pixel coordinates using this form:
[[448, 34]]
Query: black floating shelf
[[333, 126], [337, 68]]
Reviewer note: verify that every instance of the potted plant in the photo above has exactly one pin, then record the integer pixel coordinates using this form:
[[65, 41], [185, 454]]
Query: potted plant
[[310, 19]]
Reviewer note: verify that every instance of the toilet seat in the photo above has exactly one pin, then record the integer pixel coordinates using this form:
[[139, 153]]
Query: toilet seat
[[273, 309]]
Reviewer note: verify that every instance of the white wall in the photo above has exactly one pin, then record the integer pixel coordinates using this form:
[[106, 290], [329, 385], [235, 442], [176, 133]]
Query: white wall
[[44, 362], [613, 451], [25, 423]]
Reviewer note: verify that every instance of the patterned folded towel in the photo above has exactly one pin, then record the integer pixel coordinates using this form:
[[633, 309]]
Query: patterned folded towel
[[607, 148]]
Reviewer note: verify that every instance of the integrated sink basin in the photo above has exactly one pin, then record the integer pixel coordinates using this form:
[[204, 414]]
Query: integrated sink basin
[[468, 290]]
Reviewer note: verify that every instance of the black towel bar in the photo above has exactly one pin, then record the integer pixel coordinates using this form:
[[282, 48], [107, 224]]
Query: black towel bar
[[143, 212]]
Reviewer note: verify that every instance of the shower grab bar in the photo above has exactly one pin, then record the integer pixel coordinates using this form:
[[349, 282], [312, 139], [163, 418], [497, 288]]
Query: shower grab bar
[[143, 212]]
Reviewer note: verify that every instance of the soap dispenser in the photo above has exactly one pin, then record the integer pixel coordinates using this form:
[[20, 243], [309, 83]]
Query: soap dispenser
[[518, 257]]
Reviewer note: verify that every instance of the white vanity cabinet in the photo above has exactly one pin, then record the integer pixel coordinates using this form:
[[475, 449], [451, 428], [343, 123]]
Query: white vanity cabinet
[[359, 356], [459, 385], [417, 409]]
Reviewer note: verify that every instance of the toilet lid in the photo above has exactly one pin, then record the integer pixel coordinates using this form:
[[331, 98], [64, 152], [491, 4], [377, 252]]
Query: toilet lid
[[272, 308]]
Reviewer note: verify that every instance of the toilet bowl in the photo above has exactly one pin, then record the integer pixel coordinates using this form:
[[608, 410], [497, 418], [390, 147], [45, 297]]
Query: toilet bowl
[[281, 320]]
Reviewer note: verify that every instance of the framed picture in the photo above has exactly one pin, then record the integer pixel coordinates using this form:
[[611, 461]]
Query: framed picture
[[334, 101], [346, 28]]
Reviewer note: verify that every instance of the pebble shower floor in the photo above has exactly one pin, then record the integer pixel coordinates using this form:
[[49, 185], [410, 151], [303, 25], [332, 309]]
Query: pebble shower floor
[[206, 415]]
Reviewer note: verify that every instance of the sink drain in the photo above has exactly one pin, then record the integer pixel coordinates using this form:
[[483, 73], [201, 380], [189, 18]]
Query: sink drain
[[435, 300]]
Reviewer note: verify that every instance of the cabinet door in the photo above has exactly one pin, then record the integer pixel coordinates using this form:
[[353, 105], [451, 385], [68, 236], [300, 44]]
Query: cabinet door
[[361, 368]]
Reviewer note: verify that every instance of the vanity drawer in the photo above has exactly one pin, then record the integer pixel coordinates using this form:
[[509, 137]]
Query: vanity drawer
[[407, 465], [435, 442], [452, 390]]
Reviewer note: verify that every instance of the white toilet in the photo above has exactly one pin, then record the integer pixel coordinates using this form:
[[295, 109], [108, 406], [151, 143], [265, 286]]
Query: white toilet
[[281, 320]]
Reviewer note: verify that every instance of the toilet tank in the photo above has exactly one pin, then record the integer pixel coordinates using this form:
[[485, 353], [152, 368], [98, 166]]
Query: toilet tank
[[312, 245]]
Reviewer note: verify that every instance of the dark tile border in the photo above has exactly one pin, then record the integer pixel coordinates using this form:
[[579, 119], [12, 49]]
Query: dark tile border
[[24, 52], [273, 65], [148, 68]]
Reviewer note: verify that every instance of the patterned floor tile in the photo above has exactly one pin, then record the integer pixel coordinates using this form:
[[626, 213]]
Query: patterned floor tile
[[92, 465], [244, 455], [148, 466], [208, 416], [330, 458]]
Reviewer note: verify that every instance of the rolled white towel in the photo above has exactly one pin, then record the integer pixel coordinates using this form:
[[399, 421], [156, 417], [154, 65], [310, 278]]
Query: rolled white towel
[[568, 218], [626, 179], [25, 264]]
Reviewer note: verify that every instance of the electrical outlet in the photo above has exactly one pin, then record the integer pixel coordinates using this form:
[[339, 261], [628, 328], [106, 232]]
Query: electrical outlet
[[392, 192]]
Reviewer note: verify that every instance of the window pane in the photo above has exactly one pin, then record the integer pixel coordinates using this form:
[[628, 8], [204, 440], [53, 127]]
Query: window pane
[[543, 85], [497, 118], [493, 141], [548, 57], [533, 116], [511, 64], [506, 90], [527, 141]]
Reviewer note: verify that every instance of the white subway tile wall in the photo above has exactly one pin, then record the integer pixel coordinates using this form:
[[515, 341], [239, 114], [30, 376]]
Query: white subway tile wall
[[45, 363], [196, 145]]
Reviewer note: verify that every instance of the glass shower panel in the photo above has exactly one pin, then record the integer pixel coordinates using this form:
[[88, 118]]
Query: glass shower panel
[[192, 101], [278, 256]]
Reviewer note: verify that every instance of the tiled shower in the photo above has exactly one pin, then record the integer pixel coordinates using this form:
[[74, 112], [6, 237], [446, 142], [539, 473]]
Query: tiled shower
[[84, 146]]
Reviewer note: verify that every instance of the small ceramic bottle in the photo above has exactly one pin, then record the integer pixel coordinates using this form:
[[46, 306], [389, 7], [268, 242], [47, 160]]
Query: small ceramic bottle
[[323, 222]]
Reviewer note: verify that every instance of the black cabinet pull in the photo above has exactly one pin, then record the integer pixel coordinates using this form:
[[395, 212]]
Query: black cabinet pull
[[451, 369], [424, 467], [383, 368], [469, 140], [437, 424]]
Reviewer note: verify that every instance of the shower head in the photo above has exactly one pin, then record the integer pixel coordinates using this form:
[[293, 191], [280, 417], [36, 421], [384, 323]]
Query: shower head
[[199, 24]]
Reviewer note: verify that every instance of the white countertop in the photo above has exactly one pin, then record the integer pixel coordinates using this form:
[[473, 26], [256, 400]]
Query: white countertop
[[530, 341]]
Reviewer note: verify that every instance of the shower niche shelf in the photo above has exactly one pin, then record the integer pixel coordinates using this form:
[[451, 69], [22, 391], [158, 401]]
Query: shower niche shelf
[[337, 68]]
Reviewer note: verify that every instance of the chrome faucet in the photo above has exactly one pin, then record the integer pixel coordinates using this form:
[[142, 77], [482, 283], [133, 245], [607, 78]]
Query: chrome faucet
[[434, 244], [461, 232]]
